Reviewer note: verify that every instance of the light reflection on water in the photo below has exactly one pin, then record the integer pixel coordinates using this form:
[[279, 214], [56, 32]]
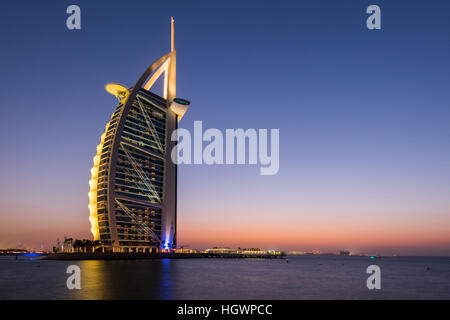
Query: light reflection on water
[[302, 278], [127, 279], [33, 278]]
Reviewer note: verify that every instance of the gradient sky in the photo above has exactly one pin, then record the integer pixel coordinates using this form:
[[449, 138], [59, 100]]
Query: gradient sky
[[363, 116]]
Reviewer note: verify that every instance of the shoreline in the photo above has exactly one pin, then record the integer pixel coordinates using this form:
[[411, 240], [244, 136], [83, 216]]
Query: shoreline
[[152, 256]]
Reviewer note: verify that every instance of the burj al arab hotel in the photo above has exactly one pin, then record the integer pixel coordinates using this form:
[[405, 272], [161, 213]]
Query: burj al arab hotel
[[133, 188]]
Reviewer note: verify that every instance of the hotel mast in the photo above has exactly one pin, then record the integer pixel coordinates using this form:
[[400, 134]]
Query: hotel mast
[[133, 188]]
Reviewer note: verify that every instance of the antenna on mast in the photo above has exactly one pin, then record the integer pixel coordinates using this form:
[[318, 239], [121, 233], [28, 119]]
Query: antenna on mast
[[172, 42]]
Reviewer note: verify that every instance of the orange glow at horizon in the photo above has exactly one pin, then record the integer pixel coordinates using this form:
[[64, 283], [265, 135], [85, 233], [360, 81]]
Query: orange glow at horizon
[[326, 237], [367, 238], [247, 221]]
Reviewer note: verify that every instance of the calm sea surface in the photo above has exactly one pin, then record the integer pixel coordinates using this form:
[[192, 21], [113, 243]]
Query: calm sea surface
[[305, 277]]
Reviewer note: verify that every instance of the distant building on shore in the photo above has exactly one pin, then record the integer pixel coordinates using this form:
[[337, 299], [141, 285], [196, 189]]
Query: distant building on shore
[[12, 250], [183, 250], [297, 253], [249, 251]]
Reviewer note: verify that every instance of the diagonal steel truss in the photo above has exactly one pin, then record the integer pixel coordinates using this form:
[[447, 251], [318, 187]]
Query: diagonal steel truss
[[137, 168], [139, 222], [150, 125], [140, 185]]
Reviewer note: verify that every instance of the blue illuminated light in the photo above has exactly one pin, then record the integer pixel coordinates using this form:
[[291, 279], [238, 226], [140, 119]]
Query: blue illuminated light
[[181, 101]]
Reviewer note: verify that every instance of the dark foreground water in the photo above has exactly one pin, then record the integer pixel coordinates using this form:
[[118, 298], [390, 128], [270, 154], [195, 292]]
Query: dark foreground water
[[305, 277]]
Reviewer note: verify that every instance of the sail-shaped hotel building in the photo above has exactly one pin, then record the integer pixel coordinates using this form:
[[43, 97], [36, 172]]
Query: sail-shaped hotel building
[[133, 188]]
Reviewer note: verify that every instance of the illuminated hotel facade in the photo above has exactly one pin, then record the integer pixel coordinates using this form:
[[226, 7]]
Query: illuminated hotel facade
[[133, 188]]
